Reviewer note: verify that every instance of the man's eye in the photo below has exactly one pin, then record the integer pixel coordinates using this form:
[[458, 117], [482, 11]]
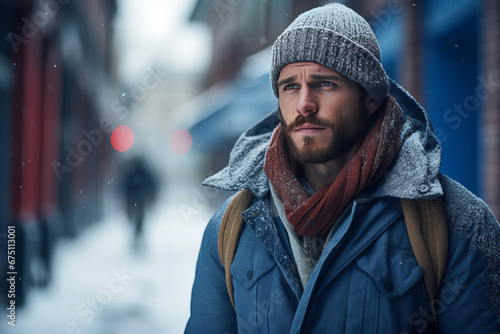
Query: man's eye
[[290, 86], [326, 83]]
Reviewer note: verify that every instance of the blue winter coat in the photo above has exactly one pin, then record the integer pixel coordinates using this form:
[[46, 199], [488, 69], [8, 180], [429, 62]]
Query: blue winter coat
[[367, 279]]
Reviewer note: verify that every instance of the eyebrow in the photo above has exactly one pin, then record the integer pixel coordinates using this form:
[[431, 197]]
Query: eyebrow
[[314, 77], [287, 80]]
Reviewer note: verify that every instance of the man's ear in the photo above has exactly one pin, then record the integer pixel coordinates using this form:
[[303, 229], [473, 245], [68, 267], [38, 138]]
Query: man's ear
[[371, 104]]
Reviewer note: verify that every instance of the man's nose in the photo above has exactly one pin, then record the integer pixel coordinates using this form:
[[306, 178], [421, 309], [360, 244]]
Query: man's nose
[[306, 102]]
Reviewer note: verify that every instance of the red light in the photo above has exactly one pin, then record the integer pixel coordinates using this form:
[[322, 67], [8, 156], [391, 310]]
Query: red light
[[122, 138]]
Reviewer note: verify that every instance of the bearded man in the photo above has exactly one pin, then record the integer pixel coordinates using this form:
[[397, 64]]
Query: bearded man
[[324, 247]]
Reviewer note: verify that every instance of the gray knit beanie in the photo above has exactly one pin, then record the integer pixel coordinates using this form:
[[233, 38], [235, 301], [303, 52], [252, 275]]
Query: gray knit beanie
[[337, 37]]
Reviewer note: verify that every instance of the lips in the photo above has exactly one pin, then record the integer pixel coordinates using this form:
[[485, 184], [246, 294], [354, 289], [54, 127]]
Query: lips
[[308, 127]]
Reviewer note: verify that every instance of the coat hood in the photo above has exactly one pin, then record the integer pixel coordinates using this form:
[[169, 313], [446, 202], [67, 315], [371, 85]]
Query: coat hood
[[413, 175]]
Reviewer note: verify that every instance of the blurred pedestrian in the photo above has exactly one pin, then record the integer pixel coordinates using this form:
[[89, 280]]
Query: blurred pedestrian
[[140, 190], [325, 247]]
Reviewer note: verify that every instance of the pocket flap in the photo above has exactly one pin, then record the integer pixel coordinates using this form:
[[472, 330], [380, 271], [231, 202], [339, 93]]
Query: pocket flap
[[393, 271], [251, 264]]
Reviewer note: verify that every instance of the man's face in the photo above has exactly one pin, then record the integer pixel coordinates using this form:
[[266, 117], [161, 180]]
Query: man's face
[[324, 114]]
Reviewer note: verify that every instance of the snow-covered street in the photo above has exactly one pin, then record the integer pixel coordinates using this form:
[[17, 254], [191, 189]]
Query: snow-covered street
[[101, 286]]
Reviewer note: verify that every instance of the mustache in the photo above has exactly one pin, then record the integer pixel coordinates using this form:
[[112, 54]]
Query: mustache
[[311, 119]]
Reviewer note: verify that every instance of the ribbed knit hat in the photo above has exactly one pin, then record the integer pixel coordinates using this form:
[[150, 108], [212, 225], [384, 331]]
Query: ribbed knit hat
[[337, 37]]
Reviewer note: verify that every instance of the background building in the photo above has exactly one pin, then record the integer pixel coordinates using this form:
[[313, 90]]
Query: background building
[[56, 65]]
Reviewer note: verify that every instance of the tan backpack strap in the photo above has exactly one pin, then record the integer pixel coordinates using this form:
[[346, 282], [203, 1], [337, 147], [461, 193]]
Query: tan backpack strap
[[428, 233], [229, 234], [435, 231]]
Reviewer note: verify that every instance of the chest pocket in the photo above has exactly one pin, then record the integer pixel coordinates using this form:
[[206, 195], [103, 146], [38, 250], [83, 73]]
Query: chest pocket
[[250, 265], [252, 272], [385, 288], [393, 271]]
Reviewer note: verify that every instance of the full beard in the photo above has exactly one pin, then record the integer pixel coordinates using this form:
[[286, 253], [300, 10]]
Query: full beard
[[310, 151]]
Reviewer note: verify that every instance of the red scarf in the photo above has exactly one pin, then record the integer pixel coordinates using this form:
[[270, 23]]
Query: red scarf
[[315, 215]]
